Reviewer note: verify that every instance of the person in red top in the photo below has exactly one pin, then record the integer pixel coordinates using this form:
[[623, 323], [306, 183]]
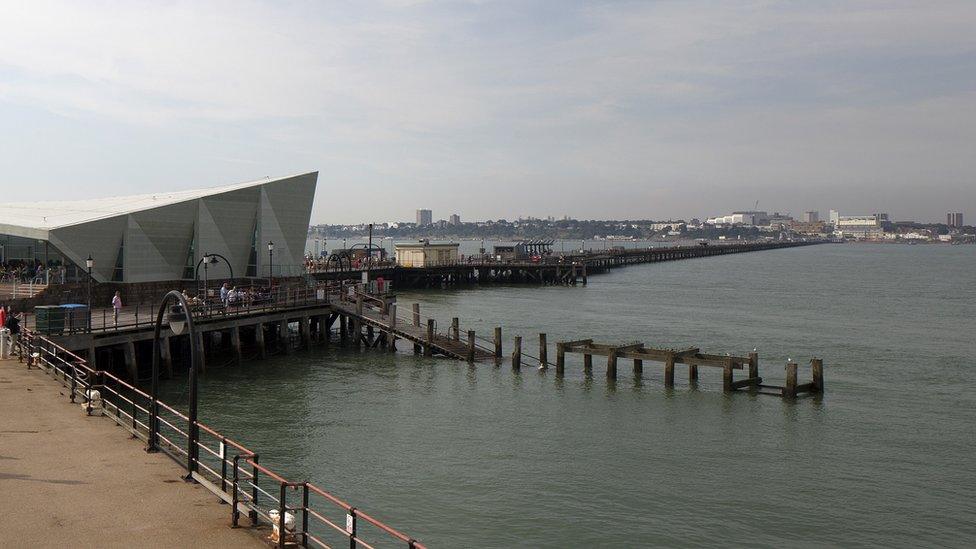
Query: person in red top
[[3, 316]]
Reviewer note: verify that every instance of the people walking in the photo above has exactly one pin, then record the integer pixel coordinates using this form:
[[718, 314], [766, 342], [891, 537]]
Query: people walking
[[116, 307], [13, 324]]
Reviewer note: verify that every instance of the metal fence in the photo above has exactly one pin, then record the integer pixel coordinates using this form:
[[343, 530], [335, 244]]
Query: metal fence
[[307, 514]]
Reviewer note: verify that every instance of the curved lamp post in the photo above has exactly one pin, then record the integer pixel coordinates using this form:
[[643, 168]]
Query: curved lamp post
[[271, 263], [179, 321], [90, 262], [210, 259]]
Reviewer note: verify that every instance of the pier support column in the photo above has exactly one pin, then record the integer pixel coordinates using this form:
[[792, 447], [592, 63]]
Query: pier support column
[[343, 330], [727, 376], [129, 351], [202, 355], [543, 352], [693, 373], [259, 340], [790, 390], [612, 364], [456, 329], [235, 342], [165, 355], [560, 359], [322, 329], [669, 371], [429, 348], [588, 364], [816, 368], [416, 314], [498, 342], [471, 345], [517, 353], [638, 367], [283, 336], [753, 365], [305, 331]]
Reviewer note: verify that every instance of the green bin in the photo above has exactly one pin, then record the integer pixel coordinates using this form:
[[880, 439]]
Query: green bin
[[49, 319]]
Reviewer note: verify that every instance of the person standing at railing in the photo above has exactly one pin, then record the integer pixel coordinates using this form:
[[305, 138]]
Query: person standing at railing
[[224, 290], [13, 324], [116, 307]]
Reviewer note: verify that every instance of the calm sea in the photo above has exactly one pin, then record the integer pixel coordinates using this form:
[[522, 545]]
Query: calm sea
[[481, 456]]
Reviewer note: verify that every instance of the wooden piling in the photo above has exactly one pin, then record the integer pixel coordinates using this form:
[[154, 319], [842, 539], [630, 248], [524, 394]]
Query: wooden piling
[[429, 348], [753, 365], [416, 314], [669, 371], [790, 390], [129, 350], [343, 330], [727, 379], [165, 355], [816, 369], [455, 329], [560, 359], [393, 325], [498, 342], [543, 351], [588, 364], [304, 330], [612, 364], [471, 345], [517, 353], [638, 367], [693, 373]]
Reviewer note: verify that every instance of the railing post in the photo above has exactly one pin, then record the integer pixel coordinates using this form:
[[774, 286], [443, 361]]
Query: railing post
[[282, 509], [74, 385], [223, 464], [351, 527], [253, 514], [305, 514], [234, 513]]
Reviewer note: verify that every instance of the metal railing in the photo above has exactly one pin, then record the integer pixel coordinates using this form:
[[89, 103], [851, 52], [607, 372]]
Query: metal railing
[[303, 512]]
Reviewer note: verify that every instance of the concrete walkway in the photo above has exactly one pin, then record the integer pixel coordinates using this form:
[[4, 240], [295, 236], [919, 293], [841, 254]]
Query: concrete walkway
[[68, 480]]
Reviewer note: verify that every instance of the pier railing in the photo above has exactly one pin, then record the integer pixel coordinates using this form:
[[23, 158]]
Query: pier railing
[[300, 513]]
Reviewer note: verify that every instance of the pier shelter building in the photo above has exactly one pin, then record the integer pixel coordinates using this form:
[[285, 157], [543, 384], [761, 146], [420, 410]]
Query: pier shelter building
[[425, 254], [163, 236]]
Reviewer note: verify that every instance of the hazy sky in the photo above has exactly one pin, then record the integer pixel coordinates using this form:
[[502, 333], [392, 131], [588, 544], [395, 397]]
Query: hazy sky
[[499, 109]]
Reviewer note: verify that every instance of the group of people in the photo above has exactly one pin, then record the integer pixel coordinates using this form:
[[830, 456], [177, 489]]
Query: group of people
[[11, 321], [231, 296], [25, 273]]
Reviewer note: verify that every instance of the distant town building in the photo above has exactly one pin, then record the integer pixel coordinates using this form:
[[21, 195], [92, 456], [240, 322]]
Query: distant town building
[[424, 218], [858, 226], [812, 228], [740, 218], [455, 219], [811, 217], [954, 220], [425, 254]]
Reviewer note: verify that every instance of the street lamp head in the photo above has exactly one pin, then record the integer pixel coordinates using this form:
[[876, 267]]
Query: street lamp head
[[90, 262], [212, 259], [177, 320], [270, 246]]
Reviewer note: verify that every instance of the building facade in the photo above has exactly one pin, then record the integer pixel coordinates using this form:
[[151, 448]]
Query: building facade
[[425, 254], [424, 218], [163, 236], [954, 220]]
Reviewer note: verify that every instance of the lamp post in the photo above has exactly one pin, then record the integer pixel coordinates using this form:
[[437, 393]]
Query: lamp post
[[90, 262], [180, 320], [271, 263]]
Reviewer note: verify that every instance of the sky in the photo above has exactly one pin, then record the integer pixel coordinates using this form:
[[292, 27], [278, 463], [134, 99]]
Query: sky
[[596, 110]]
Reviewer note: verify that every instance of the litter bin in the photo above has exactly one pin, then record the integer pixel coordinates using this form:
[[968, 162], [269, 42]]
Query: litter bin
[[49, 319]]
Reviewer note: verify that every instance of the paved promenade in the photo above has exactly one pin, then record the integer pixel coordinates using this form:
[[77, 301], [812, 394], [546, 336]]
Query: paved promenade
[[68, 480]]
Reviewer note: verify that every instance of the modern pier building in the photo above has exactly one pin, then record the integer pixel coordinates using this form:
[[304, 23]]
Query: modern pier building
[[162, 236]]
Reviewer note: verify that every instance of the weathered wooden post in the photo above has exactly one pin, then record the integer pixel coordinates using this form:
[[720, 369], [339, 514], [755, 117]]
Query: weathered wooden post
[[283, 335], [235, 342], [517, 353], [304, 329], [471, 344], [560, 359], [588, 364], [669, 371], [498, 342], [343, 330], [393, 325], [727, 375], [816, 368], [416, 314], [612, 364], [359, 304], [753, 365], [456, 329], [429, 348], [790, 390], [259, 340], [638, 367], [543, 352]]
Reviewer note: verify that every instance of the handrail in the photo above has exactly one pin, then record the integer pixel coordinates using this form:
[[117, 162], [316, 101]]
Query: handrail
[[74, 372]]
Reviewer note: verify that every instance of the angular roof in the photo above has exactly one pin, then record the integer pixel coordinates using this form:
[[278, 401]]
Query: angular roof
[[34, 219]]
